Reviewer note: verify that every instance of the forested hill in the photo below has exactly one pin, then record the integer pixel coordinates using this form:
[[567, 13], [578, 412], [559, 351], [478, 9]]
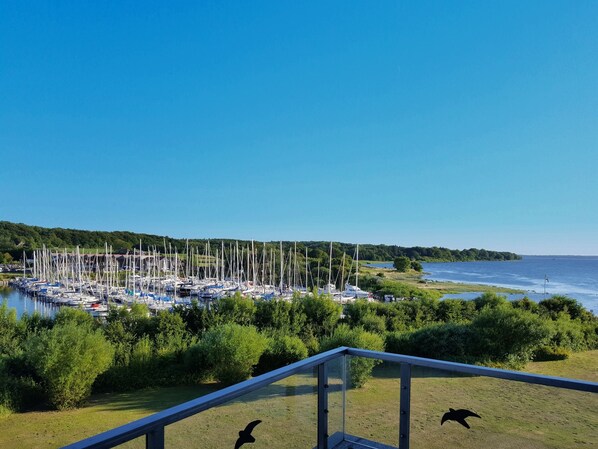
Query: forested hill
[[16, 237]]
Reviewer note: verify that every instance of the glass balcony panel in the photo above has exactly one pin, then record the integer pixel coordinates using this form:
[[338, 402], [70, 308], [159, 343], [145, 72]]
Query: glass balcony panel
[[372, 410], [287, 410], [336, 400], [512, 414]]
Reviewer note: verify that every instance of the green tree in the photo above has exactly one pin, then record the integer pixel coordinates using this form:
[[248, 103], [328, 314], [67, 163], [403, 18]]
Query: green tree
[[281, 351], [287, 317], [236, 309], [10, 341], [230, 351], [68, 358], [558, 304], [321, 311], [360, 368], [415, 265], [171, 334], [402, 264], [507, 335]]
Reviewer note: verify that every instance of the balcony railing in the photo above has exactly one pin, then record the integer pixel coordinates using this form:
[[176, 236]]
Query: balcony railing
[[313, 403]]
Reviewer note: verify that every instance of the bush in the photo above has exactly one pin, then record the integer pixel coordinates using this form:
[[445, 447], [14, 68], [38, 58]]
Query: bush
[[321, 311], [455, 310], [402, 264], [557, 305], [362, 313], [374, 323], [568, 334], [68, 358], [447, 341], [10, 342], [170, 336], [491, 300], [508, 335], [550, 353], [19, 391], [285, 316], [360, 368], [397, 342], [282, 350], [195, 362], [236, 309], [417, 266], [76, 316], [230, 351]]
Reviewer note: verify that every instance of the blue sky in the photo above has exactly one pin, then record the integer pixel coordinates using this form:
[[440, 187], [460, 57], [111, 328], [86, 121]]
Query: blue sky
[[460, 124]]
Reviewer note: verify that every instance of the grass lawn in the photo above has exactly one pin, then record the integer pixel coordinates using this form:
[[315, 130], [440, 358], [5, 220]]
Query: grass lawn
[[514, 415]]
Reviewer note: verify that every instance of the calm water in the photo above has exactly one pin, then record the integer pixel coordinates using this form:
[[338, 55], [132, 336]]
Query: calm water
[[23, 303], [574, 276]]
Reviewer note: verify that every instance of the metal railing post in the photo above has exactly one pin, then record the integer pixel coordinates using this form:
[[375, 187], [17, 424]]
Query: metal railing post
[[154, 439], [405, 406], [345, 360], [323, 406]]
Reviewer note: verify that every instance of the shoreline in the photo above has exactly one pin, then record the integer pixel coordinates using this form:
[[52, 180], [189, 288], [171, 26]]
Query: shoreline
[[416, 279]]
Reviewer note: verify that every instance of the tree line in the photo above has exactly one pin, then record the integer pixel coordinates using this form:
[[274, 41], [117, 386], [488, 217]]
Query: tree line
[[60, 362], [17, 237]]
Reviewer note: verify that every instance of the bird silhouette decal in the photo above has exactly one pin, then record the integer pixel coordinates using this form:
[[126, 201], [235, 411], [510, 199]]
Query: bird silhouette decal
[[459, 416], [245, 435]]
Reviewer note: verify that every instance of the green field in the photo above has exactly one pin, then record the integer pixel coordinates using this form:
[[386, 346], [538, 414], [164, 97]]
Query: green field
[[514, 415]]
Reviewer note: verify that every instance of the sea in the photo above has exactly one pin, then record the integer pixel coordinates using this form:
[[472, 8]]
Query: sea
[[539, 277]]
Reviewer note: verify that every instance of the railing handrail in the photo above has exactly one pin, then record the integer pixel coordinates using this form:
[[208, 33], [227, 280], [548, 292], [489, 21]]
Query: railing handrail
[[140, 427], [168, 416], [531, 378]]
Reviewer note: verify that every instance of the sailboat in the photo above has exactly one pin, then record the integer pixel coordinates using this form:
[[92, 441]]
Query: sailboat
[[353, 292]]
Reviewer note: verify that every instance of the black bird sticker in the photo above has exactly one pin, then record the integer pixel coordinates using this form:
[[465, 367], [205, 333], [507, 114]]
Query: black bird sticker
[[245, 435], [459, 416]]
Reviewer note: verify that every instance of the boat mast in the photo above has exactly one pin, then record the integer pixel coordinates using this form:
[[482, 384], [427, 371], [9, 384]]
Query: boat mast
[[357, 269], [330, 269], [281, 267]]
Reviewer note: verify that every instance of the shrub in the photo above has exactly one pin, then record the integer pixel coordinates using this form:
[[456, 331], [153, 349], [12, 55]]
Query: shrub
[[285, 316], [282, 350], [236, 309], [567, 334], [415, 265], [19, 391], [76, 316], [507, 335], [455, 310], [10, 341], [526, 304], [195, 361], [555, 306], [402, 263], [447, 341], [550, 353], [373, 323], [397, 342], [491, 300], [231, 351], [321, 311], [170, 336], [360, 368], [68, 358]]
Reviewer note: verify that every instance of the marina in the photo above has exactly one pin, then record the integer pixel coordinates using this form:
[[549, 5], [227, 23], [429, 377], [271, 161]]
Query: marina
[[160, 280]]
